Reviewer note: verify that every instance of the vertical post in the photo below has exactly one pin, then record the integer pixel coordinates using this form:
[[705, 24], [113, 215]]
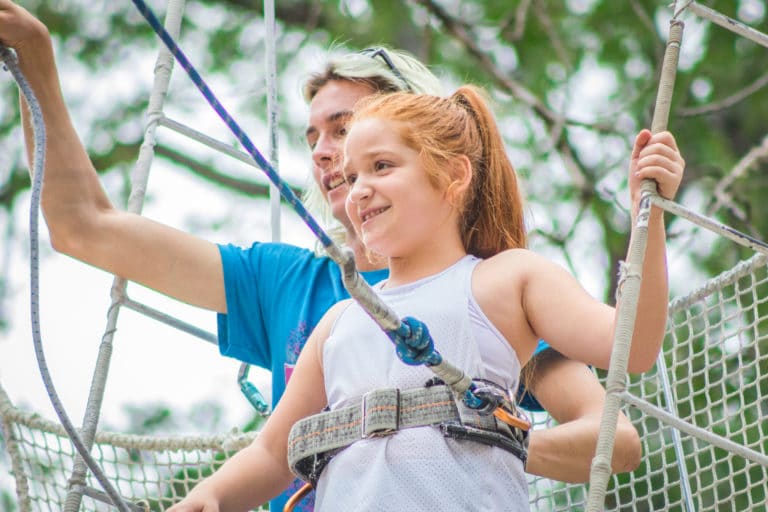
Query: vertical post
[[139, 178], [272, 112], [629, 290]]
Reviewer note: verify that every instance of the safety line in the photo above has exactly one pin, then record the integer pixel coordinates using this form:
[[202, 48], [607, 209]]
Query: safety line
[[38, 125]]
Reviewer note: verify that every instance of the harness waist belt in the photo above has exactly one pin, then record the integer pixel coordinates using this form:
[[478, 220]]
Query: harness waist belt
[[314, 440]]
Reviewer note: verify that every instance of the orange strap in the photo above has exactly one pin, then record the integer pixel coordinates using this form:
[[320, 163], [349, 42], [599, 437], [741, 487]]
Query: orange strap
[[296, 498], [511, 419]]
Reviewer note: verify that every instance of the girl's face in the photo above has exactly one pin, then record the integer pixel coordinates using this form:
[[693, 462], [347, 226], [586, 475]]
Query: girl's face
[[329, 112], [391, 203]]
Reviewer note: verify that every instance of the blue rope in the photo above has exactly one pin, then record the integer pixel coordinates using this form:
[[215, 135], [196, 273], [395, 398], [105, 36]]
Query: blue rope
[[413, 343], [262, 162], [38, 125]]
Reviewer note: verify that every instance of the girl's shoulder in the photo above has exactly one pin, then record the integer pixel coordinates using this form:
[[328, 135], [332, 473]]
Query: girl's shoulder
[[514, 257], [511, 265], [511, 254], [327, 322]]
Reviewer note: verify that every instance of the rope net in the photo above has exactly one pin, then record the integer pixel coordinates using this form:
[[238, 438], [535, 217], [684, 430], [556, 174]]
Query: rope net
[[151, 472], [715, 355]]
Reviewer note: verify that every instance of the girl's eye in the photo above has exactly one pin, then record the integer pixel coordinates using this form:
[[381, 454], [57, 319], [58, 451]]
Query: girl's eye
[[350, 178], [380, 165]]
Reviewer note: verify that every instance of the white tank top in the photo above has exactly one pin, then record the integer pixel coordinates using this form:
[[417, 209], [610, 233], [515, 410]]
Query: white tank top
[[418, 468]]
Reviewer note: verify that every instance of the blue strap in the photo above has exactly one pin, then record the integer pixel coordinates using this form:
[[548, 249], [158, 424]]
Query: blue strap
[[525, 398]]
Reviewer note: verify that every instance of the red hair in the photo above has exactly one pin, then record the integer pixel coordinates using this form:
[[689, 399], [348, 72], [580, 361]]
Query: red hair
[[441, 129]]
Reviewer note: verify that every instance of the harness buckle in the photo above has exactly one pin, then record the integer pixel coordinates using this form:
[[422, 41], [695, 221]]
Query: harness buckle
[[380, 413], [498, 403]]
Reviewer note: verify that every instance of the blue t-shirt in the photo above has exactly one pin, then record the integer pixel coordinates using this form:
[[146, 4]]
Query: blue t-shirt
[[276, 294]]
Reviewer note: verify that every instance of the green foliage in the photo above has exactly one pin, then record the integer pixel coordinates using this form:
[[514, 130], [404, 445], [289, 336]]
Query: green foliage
[[7, 501]]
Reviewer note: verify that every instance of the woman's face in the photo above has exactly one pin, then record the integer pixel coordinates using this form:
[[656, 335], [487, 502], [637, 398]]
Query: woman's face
[[329, 112]]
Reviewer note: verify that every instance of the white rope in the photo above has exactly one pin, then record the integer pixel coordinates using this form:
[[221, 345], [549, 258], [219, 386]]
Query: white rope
[[12, 445], [172, 321], [712, 225], [207, 140], [692, 430], [629, 290], [726, 278], [272, 112]]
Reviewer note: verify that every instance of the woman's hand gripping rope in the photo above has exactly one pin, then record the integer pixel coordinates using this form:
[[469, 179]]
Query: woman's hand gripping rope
[[414, 346]]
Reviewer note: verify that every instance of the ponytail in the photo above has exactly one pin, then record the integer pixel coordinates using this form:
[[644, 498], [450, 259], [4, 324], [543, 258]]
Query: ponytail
[[493, 216]]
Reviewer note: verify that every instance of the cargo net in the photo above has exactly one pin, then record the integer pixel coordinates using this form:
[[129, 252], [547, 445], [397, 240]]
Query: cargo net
[[150, 472], [713, 375]]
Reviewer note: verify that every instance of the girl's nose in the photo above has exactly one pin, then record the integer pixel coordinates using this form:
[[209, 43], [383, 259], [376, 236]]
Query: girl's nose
[[359, 190]]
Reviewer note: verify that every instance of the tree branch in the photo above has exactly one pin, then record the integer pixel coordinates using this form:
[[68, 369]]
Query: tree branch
[[245, 187], [748, 161], [727, 102], [515, 88]]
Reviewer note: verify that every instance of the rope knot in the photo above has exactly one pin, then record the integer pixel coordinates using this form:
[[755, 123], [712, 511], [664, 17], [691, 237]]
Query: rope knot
[[413, 343]]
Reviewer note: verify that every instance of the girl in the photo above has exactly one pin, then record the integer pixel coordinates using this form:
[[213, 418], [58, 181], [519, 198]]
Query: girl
[[431, 189]]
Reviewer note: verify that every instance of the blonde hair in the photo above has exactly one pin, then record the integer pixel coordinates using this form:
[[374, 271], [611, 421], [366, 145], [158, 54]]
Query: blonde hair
[[443, 128], [371, 67]]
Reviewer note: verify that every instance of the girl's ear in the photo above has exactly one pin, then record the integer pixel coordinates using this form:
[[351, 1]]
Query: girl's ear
[[460, 170]]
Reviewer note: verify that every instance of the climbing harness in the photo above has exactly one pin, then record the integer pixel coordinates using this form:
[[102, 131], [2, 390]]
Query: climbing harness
[[315, 440]]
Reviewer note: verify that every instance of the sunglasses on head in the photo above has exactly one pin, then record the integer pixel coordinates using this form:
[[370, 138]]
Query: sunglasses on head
[[381, 52]]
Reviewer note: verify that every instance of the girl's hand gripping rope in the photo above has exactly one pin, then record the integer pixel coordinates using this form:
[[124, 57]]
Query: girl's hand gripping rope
[[656, 157]]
